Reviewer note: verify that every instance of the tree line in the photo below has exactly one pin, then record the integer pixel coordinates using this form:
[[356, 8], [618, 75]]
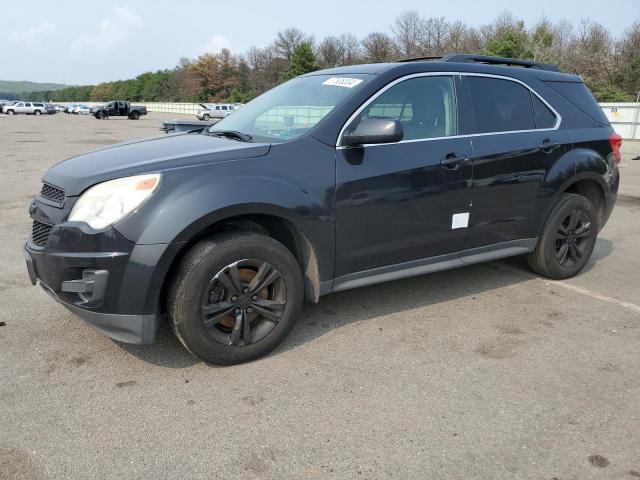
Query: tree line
[[609, 65]]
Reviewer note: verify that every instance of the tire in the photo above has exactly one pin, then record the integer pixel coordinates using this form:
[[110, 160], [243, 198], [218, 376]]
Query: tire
[[99, 115], [206, 117], [205, 280], [134, 116], [10, 112], [567, 239], [37, 112]]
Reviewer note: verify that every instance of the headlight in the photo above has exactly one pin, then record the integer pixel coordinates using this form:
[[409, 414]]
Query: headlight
[[108, 202]]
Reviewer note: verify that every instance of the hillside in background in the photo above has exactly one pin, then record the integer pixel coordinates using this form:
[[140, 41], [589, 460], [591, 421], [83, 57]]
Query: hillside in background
[[15, 89]]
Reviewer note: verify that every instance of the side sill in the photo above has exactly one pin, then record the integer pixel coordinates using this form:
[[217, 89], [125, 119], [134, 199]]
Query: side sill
[[434, 264]]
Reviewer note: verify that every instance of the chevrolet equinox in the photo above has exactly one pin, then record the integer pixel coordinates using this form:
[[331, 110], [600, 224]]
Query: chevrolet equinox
[[334, 180]]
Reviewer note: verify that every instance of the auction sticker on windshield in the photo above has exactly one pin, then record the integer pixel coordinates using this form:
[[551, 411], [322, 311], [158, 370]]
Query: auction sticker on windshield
[[342, 82]]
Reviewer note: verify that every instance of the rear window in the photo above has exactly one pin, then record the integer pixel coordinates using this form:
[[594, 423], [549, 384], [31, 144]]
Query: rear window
[[579, 95], [500, 105]]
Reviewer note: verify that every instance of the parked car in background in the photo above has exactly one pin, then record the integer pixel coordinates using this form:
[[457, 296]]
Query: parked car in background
[[50, 109], [119, 108], [82, 110], [69, 108], [216, 110], [28, 108], [59, 108]]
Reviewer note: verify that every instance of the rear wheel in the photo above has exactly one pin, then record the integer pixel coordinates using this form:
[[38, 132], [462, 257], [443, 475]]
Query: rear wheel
[[134, 116], [235, 297], [567, 239]]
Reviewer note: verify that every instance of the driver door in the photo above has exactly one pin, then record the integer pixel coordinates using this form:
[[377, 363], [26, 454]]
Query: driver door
[[410, 200]]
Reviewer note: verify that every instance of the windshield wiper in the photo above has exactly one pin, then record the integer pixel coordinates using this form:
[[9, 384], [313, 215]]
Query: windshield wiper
[[234, 134]]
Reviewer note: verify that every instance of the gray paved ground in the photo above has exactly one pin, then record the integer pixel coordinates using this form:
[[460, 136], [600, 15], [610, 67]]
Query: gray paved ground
[[483, 372]]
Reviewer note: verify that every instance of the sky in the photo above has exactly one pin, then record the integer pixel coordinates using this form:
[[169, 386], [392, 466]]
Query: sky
[[90, 41]]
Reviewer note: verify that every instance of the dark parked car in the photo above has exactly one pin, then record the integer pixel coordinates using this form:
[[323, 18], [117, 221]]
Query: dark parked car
[[334, 180], [50, 109], [119, 108]]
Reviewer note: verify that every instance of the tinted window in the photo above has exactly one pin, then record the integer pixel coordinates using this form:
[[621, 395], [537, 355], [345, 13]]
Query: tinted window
[[580, 96], [500, 105], [426, 107], [544, 117]]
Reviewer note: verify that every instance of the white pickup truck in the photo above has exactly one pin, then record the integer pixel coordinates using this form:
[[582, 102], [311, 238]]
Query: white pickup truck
[[216, 110], [29, 108]]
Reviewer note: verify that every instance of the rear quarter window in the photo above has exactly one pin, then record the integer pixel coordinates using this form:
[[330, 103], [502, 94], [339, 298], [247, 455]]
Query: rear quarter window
[[579, 96], [545, 118]]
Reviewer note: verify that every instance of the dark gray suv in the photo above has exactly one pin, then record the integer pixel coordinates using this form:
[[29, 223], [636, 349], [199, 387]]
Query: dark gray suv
[[337, 179]]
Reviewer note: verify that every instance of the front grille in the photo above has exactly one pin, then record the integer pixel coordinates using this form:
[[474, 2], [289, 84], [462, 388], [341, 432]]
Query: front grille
[[40, 233], [52, 193]]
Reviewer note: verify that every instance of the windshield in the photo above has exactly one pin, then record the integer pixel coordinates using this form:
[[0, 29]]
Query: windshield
[[293, 108]]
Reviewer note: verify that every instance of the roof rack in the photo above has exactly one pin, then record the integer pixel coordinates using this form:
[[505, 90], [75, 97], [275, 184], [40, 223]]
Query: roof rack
[[470, 58]]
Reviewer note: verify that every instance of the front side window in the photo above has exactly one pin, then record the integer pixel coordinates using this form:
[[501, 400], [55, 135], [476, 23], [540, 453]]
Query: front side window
[[500, 105], [425, 106], [293, 108]]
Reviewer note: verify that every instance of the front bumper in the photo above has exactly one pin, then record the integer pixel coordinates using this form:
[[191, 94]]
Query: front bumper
[[108, 281], [138, 329]]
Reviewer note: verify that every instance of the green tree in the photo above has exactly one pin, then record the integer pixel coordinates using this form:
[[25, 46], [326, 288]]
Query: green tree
[[302, 61], [512, 42]]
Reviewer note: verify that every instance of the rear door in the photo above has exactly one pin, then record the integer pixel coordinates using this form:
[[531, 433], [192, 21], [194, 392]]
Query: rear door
[[515, 141], [398, 202]]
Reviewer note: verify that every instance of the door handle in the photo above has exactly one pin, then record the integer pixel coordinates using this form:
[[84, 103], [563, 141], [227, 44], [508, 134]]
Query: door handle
[[452, 161], [549, 145]]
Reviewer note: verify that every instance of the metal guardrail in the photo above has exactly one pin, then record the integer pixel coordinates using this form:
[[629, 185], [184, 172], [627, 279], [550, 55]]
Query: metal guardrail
[[624, 117]]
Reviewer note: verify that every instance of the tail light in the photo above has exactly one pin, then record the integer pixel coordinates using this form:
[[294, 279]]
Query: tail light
[[616, 142]]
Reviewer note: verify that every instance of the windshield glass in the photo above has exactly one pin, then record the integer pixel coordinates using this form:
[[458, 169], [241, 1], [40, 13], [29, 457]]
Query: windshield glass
[[293, 108]]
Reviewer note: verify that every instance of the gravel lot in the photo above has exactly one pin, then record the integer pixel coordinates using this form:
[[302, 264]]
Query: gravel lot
[[483, 372]]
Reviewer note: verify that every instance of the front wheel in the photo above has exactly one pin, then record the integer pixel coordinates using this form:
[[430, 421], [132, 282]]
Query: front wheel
[[567, 239], [99, 115], [37, 112], [10, 112], [206, 117], [235, 297]]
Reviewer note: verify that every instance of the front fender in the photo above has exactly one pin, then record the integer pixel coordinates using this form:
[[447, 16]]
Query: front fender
[[287, 185]]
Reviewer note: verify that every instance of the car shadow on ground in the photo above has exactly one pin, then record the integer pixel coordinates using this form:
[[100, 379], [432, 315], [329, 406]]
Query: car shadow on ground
[[361, 304]]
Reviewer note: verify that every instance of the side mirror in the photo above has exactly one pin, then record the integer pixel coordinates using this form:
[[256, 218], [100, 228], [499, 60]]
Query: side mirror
[[374, 130]]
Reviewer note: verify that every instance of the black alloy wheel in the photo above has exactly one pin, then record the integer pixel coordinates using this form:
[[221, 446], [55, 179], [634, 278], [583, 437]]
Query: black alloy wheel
[[243, 302], [567, 238], [573, 238]]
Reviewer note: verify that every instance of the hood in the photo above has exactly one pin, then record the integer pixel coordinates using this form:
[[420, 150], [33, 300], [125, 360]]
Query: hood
[[147, 156]]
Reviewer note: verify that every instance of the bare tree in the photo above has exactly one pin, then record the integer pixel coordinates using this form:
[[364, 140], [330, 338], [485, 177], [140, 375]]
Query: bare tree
[[408, 29], [434, 36], [351, 47], [379, 47], [330, 52], [287, 40]]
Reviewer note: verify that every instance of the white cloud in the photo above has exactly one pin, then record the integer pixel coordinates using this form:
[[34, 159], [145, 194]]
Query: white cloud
[[214, 45], [34, 37], [112, 33]]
